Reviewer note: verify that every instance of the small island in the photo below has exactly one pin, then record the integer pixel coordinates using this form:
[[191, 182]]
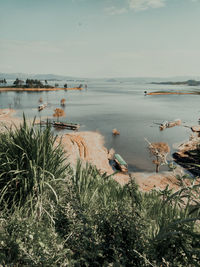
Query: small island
[[34, 85], [188, 82]]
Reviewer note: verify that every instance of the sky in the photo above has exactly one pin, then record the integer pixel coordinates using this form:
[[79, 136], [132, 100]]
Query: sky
[[100, 38]]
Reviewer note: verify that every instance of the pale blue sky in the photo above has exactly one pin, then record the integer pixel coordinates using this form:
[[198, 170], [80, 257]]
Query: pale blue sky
[[100, 38]]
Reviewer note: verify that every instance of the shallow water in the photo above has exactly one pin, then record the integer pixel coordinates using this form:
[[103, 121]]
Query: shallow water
[[107, 105]]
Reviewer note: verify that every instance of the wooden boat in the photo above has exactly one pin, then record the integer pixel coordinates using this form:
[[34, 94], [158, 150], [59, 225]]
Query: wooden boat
[[121, 163], [70, 126]]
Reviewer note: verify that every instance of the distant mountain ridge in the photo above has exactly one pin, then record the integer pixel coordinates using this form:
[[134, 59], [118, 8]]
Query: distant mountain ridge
[[55, 77], [24, 76], [188, 82]]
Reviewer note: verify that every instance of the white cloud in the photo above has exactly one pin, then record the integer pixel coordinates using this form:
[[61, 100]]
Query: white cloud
[[115, 11], [139, 5], [136, 5]]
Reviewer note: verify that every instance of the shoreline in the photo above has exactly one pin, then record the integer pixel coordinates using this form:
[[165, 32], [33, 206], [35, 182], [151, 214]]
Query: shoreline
[[5, 89], [7, 119], [89, 147]]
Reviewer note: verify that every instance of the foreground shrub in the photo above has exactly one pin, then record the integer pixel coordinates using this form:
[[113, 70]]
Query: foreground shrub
[[100, 221], [26, 242], [175, 231], [105, 224], [31, 165]]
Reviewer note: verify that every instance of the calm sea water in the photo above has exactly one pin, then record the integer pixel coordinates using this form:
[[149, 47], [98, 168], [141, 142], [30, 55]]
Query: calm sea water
[[108, 105]]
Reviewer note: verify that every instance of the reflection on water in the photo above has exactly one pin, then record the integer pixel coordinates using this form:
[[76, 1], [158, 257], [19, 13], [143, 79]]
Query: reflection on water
[[124, 106]]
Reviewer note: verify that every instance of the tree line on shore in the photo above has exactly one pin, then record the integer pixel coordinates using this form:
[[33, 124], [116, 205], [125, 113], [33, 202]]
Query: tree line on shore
[[32, 83], [53, 215], [3, 81]]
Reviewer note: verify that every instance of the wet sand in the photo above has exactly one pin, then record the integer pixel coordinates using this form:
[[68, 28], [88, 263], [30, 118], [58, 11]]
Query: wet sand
[[5, 89]]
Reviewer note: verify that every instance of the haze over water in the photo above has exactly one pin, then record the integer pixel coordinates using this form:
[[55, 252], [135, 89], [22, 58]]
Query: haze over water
[[107, 105]]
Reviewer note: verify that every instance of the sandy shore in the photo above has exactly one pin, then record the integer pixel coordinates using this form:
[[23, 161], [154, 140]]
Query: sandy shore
[[5, 89], [7, 119], [89, 147], [148, 181]]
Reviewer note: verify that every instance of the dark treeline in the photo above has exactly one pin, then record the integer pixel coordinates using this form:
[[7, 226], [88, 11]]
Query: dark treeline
[[30, 83], [3, 81], [189, 83]]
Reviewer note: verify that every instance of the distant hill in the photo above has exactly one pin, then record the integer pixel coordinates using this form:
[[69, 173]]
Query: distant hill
[[189, 83], [154, 79], [23, 76], [135, 80]]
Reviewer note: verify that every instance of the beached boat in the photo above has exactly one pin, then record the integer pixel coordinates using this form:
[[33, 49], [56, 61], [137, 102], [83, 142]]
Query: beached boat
[[121, 163], [41, 107], [70, 126]]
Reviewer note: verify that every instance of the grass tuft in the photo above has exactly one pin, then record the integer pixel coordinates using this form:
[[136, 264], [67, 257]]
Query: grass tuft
[[31, 164]]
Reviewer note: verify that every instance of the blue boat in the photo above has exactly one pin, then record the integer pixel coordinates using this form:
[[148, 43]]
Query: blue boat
[[121, 163]]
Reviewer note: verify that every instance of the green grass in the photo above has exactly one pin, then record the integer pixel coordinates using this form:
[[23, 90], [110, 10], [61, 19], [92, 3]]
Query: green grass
[[30, 165]]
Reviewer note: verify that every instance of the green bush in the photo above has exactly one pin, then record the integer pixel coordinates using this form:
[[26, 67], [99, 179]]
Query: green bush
[[27, 242], [100, 220]]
